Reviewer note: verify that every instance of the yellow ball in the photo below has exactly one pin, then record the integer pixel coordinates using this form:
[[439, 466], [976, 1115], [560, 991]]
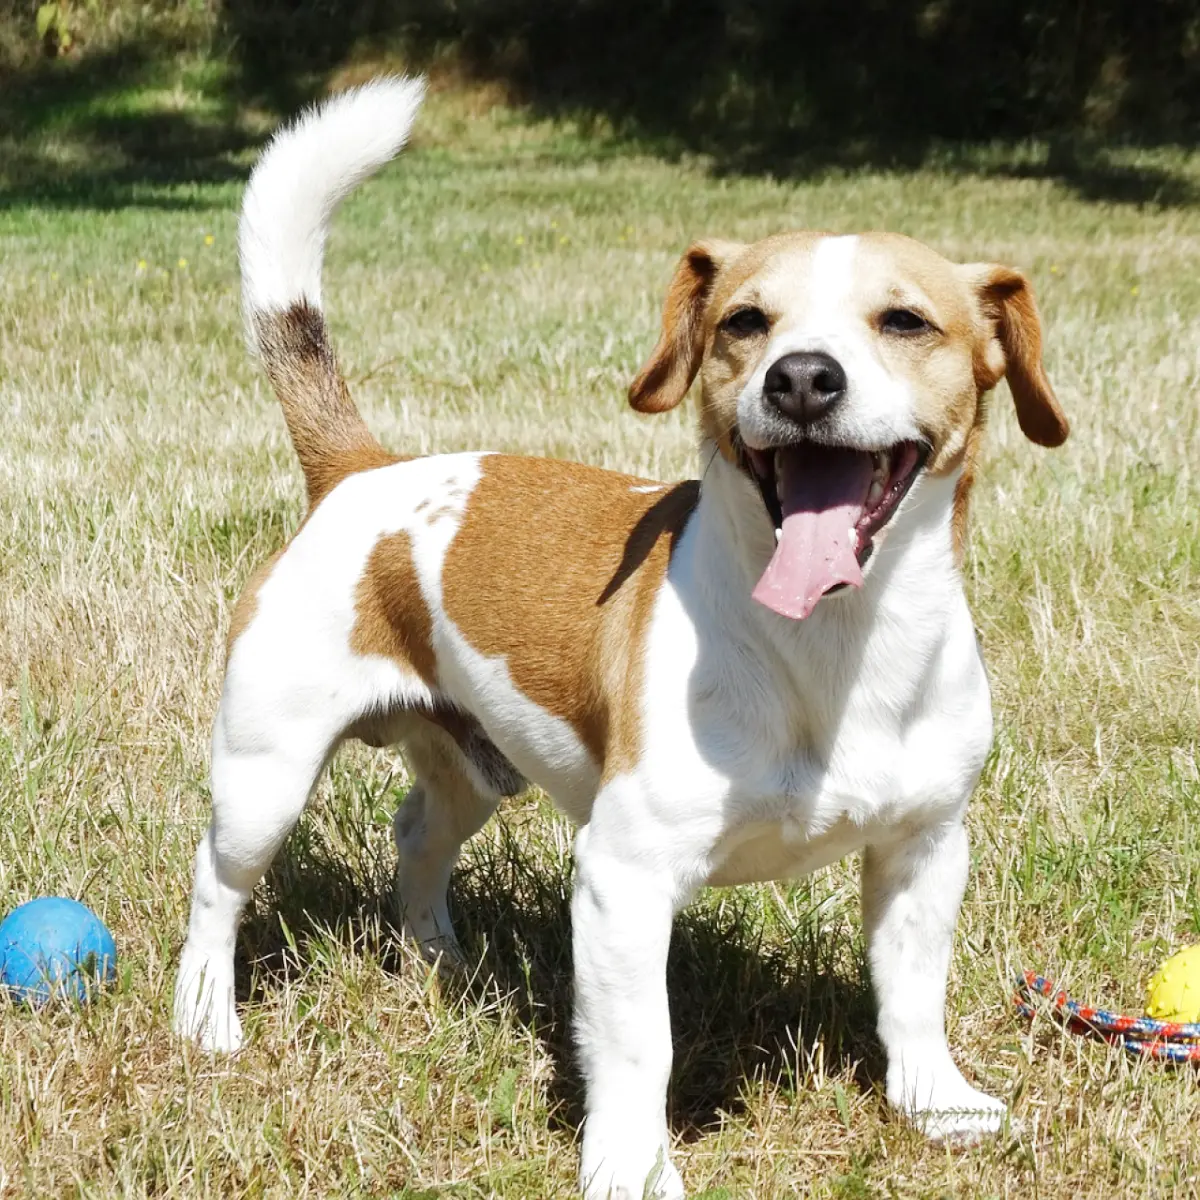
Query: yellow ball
[[1174, 990]]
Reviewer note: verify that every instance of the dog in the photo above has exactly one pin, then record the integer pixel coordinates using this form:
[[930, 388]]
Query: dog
[[739, 679]]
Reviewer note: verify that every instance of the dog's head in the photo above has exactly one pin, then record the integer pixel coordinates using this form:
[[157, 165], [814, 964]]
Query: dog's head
[[835, 372]]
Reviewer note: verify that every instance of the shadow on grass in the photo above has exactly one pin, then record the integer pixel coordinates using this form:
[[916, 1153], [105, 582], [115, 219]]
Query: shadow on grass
[[789, 91], [741, 1001], [1090, 172], [763, 89], [105, 132]]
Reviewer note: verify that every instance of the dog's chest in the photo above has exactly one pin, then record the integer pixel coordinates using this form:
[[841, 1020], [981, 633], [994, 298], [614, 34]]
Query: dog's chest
[[802, 765], [813, 804]]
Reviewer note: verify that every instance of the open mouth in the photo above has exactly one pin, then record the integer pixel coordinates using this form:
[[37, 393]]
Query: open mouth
[[827, 503]]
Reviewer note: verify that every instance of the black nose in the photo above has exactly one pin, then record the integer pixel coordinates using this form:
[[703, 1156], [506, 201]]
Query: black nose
[[805, 386]]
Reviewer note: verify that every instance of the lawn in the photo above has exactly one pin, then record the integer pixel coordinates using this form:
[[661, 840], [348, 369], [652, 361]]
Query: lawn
[[498, 288]]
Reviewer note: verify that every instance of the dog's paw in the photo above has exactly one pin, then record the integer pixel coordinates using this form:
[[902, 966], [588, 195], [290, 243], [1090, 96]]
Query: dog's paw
[[624, 1175], [926, 1087], [205, 1012], [960, 1119], [444, 952]]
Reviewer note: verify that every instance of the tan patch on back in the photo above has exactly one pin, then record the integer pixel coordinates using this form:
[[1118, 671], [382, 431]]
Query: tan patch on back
[[393, 619], [555, 568]]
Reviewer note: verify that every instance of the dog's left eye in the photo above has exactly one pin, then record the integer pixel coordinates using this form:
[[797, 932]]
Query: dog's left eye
[[903, 320], [746, 322]]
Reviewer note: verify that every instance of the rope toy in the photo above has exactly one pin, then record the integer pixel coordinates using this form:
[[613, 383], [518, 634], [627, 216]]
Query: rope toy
[[1144, 1037]]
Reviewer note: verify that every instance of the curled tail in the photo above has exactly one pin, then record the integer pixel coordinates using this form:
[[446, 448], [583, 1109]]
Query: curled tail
[[306, 171]]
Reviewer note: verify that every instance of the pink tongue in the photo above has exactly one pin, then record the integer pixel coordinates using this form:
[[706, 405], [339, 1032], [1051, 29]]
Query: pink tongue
[[822, 493]]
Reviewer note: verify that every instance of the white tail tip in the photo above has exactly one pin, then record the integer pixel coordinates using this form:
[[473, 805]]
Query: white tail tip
[[309, 167]]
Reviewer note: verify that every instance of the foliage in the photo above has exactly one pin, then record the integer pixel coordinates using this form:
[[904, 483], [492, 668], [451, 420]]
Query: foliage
[[756, 85]]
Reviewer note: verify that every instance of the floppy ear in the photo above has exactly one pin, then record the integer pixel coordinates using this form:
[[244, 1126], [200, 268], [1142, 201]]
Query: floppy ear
[[669, 372], [1014, 350]]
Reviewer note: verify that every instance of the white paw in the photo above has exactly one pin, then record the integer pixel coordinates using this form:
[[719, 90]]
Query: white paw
[[619, 1174], [428, 927], [205, 1011], [962, 1117], [442, 951], [924, 1084]]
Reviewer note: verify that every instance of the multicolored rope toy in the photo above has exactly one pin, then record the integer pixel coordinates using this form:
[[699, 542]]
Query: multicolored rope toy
[[1169, 1041]]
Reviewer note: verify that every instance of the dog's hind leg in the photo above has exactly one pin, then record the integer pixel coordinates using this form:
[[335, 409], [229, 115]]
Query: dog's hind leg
[[459, 780], [270, 743]]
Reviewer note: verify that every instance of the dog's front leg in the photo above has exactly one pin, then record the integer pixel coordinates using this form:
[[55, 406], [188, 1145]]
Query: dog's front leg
[[912, 890], [621, 914]]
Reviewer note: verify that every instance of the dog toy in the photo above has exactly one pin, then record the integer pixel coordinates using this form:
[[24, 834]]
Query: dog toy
[[53, 946], [1146, 1037], [1174, 990]]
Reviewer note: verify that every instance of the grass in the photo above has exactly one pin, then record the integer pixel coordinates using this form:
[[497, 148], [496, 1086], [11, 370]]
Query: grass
[[498, 289]]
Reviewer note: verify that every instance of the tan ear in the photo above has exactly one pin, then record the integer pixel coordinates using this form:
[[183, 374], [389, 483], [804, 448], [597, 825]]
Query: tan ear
[[669, 371], [1006, 299]]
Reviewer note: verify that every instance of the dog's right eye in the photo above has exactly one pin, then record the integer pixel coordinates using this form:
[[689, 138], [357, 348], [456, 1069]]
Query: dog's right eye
[[903, 320], [746, 322]]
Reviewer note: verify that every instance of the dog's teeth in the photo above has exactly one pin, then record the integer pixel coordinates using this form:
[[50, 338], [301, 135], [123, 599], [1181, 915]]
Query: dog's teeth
[[778, 536], [876, 492]]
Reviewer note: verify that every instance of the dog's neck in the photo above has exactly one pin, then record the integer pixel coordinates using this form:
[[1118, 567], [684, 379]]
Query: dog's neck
[[912, 578]]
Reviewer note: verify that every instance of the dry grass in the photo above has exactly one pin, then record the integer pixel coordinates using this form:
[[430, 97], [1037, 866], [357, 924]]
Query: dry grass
[[497, 290]]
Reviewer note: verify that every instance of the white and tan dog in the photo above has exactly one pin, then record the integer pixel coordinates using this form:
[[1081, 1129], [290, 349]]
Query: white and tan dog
[[738, 680]]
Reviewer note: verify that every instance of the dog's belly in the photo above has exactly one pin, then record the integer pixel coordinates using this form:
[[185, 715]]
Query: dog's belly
[[770, 850]]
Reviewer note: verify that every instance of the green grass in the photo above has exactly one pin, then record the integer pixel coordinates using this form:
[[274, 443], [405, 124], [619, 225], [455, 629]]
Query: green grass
[[499, 288]]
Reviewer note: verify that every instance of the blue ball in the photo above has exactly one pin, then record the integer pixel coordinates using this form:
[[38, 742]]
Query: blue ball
[[55, 947]]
